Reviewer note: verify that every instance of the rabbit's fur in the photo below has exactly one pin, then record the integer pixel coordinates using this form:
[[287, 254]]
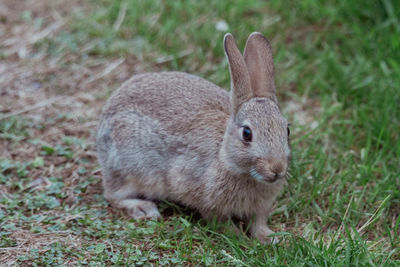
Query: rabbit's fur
[[176, 136]]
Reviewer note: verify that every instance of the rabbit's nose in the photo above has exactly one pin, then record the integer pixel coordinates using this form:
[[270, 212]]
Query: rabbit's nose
[[277, 169]]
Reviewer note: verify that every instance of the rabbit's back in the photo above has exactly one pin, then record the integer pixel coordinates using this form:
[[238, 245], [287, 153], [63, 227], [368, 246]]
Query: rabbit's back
[[179, 101]]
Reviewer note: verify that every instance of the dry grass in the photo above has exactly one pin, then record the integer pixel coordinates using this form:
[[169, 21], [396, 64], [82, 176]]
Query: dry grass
[[62, 94]]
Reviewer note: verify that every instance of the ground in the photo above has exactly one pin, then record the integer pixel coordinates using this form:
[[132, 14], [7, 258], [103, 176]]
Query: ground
[[338, 81]]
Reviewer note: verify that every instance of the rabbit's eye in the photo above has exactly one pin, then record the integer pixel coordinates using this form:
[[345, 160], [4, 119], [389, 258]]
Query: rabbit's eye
[[247, 135], [288, 131]]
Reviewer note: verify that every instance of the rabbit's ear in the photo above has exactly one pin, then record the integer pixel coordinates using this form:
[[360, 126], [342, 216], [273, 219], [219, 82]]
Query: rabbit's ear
[[240, 79], [260, 65]]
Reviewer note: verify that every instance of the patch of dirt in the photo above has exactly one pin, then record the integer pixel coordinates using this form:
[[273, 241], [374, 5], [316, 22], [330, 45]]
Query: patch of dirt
[[303, 113], [57, 95], [30, 76]]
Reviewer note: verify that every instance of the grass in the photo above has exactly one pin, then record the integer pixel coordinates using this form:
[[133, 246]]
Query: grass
[[338, 77]]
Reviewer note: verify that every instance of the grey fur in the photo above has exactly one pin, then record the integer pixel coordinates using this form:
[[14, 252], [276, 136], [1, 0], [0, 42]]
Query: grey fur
[[176, 136]]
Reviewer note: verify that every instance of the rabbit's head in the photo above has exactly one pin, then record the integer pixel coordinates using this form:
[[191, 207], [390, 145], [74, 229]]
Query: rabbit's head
[[256, 139]]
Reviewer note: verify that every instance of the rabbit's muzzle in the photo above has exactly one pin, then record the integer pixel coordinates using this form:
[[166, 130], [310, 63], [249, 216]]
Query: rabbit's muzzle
[[269, 170]]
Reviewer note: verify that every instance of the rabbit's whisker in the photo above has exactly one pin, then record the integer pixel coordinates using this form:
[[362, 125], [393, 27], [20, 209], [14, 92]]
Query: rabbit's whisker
[[256, 175]]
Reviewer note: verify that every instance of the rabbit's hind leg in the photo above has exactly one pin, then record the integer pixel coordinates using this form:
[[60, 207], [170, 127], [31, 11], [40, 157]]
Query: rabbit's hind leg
[[125, 196], [139, 209], [136, 208]]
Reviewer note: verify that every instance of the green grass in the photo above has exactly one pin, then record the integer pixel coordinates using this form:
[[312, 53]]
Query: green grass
[[340, 59]]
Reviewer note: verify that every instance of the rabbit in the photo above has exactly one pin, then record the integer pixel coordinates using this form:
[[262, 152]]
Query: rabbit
[[179, 137]]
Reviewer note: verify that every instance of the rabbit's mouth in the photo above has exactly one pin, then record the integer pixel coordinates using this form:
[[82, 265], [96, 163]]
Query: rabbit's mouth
[[274, 178]]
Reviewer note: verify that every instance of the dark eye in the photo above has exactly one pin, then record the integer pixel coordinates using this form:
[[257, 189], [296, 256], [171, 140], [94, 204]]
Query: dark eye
[[247, 135], [288, 131]]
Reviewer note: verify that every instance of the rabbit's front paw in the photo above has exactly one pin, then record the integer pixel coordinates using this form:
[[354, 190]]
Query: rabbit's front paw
[[140, 209], [262, 233]]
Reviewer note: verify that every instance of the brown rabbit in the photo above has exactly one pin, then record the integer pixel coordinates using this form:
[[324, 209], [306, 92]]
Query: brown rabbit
[[176, 136]]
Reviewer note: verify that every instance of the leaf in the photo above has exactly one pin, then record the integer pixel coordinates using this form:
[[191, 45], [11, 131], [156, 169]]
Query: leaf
[[185, 222], [48, 150], [99, 248], [38, 162]]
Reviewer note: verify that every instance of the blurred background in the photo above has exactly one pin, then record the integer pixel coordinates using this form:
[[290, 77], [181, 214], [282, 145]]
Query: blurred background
[[338, 81]]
